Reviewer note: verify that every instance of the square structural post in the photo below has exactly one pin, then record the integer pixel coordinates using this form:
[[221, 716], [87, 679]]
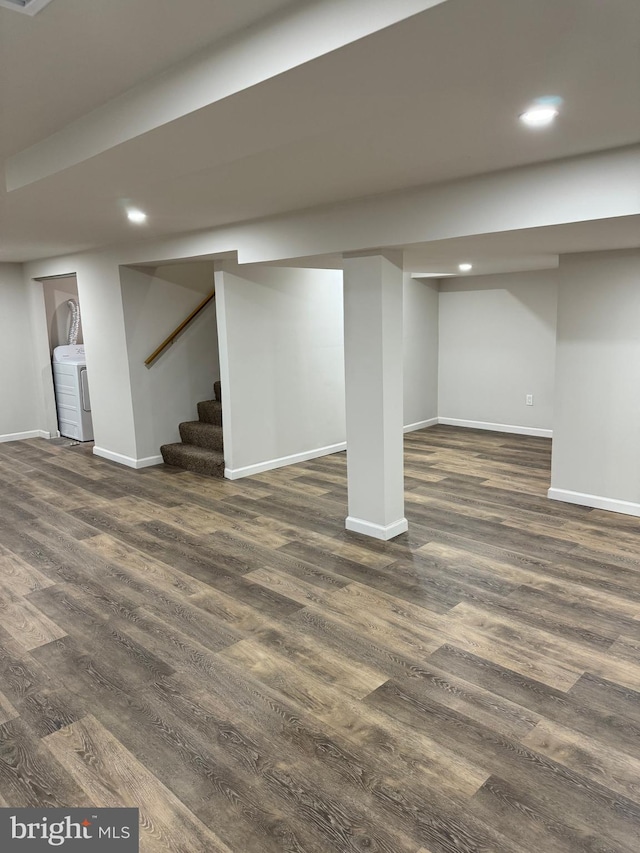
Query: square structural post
[[374, 400]]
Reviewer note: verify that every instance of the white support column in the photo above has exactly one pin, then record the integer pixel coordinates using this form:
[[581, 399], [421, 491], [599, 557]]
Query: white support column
[[373, 371]]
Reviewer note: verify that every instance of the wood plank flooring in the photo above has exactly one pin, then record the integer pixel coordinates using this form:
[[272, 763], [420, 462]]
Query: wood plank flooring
[[226, 657]]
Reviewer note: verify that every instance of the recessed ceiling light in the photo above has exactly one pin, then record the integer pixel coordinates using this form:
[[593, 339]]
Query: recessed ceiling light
[[542, 112], [465, 267], [136, 216]]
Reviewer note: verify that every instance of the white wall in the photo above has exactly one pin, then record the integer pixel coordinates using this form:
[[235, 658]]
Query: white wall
[[155, 301], [20, 389], [282, 364], [57, 292], [497, 344], [596, 446], [287, 39], [420, 351]]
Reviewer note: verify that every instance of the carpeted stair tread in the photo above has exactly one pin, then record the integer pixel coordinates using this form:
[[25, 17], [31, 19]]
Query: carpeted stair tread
[[210, 412], [194, 458], [201, 434], [201, 448]]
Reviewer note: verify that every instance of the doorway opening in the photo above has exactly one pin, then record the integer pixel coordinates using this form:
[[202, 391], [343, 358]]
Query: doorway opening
[[68, 361]]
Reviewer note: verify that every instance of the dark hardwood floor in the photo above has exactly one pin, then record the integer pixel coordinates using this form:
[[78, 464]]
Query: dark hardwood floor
[[226, 657]]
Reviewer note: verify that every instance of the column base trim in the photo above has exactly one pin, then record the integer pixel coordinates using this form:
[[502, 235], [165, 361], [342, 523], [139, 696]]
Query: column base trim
[[377, 531], [129, 461], [594, 501]]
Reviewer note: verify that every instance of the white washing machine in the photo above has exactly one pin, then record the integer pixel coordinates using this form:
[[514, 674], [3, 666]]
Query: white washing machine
[[72, 392]]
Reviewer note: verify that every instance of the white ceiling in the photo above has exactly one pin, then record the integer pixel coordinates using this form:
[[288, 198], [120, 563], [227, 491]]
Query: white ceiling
[[75, 55], [430, 99], [528, 248], [507, 251]]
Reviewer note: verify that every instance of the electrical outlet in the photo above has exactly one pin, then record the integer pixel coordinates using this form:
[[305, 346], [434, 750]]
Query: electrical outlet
[[529, 399]]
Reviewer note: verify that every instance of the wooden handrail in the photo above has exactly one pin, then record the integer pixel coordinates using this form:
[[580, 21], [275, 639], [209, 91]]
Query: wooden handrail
[[165, 343]]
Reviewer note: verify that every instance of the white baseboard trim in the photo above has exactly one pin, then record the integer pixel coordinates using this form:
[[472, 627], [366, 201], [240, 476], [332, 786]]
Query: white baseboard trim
[[595, 501], [270, 464], [20, 436], [420, 425], [149, 461], [518, 430], [129, 461], [377, 531]]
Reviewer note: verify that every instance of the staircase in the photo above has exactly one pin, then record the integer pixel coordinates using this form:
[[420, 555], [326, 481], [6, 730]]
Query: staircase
[[201, 447]]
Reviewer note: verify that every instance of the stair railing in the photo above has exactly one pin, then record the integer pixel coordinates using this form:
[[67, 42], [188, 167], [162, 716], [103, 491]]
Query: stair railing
[[171, 338]]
